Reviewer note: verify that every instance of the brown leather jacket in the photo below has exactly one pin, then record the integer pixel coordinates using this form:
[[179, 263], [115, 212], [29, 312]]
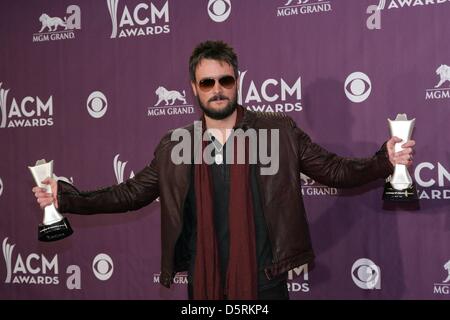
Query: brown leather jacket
[[281, 195]]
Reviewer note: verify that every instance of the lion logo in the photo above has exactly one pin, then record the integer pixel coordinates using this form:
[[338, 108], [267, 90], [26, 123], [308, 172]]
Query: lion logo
[[298, 2], [447, 267], [52, 22], [444, 73], [166, 95], [307, 181]]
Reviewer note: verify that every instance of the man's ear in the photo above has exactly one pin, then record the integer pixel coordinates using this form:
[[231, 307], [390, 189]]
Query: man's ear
[[194, 89]]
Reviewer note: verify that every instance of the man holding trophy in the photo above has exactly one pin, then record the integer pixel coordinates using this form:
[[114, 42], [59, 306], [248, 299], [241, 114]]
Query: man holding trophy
[[235, 230]]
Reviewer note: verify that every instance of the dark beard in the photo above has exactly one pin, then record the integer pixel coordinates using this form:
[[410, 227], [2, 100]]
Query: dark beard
[[219, 114]]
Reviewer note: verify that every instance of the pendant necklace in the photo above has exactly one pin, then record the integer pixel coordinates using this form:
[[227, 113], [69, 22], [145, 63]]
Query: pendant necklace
[[218, 158]]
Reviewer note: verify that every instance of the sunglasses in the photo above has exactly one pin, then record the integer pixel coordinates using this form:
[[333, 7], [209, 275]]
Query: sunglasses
[[207, 84]]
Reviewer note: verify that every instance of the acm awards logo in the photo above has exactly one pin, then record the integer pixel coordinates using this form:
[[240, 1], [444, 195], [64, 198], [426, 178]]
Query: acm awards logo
[[400, 4], [310, 187], [37, 269], [170, 102], [433, 181], [119, 169], [298, 279], [302, 7], [270, 95], [444, 287], [26, 112], [374, 20], [439, 92], [142, 19], [56, 28], [40, 269]]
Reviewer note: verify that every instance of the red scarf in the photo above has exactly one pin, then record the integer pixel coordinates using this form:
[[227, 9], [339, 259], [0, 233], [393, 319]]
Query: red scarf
[[241, 277]]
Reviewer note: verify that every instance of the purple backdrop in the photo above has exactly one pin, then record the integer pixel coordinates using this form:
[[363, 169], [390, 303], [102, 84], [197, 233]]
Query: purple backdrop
[[80, 85]]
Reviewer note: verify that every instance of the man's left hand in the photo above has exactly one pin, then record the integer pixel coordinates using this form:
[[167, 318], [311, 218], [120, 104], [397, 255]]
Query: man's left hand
[[404, 156]]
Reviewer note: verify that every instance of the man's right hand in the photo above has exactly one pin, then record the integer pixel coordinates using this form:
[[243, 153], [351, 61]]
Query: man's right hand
[[45, 199]]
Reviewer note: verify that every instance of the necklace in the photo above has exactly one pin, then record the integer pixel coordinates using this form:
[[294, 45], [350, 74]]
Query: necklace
[[218, 158]]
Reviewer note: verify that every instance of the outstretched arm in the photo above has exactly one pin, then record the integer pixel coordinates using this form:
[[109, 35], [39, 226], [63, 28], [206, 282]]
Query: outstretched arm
[[132, 194], [340, 172]]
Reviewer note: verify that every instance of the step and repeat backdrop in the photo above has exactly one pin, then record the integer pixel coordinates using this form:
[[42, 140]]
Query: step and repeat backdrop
[[93, 85]]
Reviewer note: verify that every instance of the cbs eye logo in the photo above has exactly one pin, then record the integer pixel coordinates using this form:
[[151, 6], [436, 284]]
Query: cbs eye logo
[[102, 266], [357, 87], [97, 104], [219, 10], [366, 274]]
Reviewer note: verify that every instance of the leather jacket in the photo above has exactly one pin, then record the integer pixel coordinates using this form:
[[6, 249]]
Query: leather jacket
[[281, 195]]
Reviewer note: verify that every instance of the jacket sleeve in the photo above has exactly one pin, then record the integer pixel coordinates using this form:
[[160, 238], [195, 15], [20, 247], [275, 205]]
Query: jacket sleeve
[[132, 194], [339, 172]]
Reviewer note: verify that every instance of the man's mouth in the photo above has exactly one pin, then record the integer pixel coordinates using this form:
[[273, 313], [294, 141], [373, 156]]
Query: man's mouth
[[218, 98]]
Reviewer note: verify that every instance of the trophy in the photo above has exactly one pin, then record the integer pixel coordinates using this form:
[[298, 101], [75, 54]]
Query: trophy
[[399, 186], [54, 226]]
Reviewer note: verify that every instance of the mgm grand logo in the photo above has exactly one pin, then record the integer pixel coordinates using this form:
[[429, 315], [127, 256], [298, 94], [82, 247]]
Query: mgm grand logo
[[311, 188], [169, 103], [56, 28]]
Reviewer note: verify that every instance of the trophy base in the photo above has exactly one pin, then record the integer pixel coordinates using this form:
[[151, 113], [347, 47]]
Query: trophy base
[[55, 231], [407, 195]]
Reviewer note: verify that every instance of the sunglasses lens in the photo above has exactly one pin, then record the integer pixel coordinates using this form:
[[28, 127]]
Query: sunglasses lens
[[227, 82], [207, 84]]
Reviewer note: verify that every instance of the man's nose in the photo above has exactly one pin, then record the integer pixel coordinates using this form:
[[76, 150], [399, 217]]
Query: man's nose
[[217, 88]]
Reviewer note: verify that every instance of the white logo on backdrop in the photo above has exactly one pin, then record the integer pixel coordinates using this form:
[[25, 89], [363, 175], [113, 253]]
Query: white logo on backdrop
[[300, 2], [141, 21], [366, 274], [433, 181], [49, 25], [37, 269], [296, 7], [444, 74], [119, 169], [373, 22], [103, 266], [97, 104], [175, 103], [295, 283], [172, 95], [49, 22], [270, 95], [381, 4], [7, 254], [400, 4], [180, 278], [357, 87], [1, 186], [310, 187], [28, 112], [3, 97], [437, 93], [219, 10], [444, 287], [447, 268]]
